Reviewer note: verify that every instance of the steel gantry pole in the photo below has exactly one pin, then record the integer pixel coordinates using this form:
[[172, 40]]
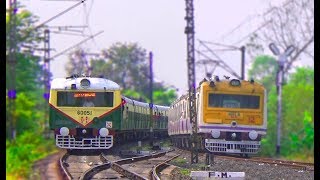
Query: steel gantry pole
[[12, 68], [189, 31], [46, 79], [282, 59], [151, 98], [243, 52]]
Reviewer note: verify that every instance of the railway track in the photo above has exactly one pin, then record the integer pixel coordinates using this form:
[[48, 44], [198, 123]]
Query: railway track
[[101, 166], [293, 164], [73, 166]]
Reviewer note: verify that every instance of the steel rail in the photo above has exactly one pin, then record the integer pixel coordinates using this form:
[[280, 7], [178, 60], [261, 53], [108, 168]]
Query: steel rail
[[159, 167], [63, 167], [116, 166]]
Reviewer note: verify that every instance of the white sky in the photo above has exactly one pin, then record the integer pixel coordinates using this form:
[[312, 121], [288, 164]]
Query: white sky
[[156, 25]]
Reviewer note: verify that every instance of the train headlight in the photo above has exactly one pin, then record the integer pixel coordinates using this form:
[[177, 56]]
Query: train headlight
[[253, 135], [215, 133], [235, 82], [64, 131], [103, 132], [85, 83]]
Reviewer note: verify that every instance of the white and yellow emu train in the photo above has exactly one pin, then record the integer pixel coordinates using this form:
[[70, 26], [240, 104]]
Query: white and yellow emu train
[[231, 116]]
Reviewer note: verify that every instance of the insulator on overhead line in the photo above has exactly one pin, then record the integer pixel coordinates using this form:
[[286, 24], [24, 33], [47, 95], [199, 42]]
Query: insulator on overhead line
[[227, 77]]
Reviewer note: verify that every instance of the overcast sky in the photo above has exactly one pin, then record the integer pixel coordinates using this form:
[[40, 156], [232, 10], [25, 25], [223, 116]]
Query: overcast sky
[[157, 26]]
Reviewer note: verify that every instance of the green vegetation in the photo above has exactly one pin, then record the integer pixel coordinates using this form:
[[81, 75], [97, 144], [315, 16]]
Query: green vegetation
[[127, 60], [297, 136], [127, 65], [26, 149], [166, 143], [29, 144], [185, 172], [180, 161]]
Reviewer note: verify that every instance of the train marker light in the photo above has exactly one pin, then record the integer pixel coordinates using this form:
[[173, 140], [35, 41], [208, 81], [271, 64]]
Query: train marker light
[[73, 86], [211, 84], [233, 135]]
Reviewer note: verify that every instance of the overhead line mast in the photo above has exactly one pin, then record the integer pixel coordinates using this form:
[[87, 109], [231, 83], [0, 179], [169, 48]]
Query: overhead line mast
[[189, 31], [11, 120]]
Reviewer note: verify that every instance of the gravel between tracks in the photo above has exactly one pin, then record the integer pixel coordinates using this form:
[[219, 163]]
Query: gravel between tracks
[[47, 168], [253, 170]]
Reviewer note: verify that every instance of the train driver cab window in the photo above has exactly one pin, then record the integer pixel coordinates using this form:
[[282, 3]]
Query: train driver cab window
[[234, 101], [88, 102], [77, 99]]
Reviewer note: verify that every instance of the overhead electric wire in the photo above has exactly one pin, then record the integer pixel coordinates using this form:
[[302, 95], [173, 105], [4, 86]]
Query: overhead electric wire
[[256, 30], [90, 37], [72, 34], [61, 13], [87, 21]]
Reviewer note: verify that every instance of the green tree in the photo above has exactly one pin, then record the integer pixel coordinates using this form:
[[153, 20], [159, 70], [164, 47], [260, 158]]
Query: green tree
[[29, 144], [28, 73], [279, 22], [78, 62], [263, 70], [164, 96], [298, 117], [127, 65]]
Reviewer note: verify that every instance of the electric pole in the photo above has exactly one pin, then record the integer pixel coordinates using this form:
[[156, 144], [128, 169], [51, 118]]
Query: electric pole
[[218, 61], [189, 31], [243, 51], [12, 68], [282, 58], [151, 98], [46, 75]]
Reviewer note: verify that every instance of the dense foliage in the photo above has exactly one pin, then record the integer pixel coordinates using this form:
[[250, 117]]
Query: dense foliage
[[23, 151], [264, 70], [128, 65], [297, 122], [29, 144]]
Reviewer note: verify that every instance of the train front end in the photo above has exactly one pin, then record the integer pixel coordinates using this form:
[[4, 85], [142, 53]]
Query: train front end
[[84, 112], [232, 116]]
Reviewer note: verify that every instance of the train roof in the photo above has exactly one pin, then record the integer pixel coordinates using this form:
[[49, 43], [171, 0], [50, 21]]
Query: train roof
[[223, 84], [95, 83], [143, 104]]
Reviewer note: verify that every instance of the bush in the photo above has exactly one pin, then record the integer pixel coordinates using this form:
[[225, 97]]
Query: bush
[[24, 151]]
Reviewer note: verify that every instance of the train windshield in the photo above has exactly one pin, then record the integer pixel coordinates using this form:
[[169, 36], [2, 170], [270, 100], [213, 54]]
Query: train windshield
[[234, 101], [85, 99]]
